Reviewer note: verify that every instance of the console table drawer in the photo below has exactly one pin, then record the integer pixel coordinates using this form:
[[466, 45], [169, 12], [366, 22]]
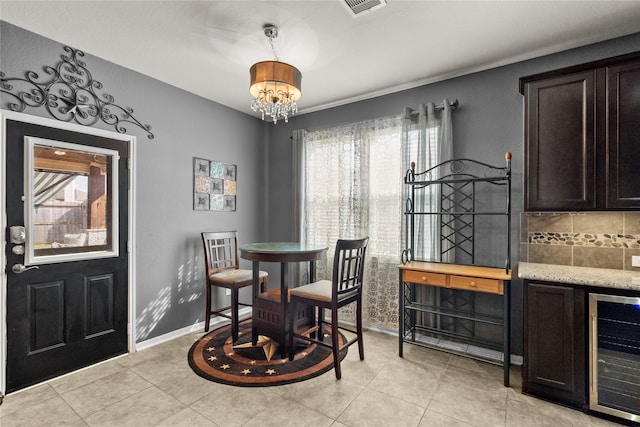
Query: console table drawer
[[476, 284], [425, 278]]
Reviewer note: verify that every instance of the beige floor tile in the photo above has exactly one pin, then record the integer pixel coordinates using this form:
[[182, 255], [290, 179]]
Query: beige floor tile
[[149, 407], [478, 366], [26, 399], [168, 362], [469, 401], [189, 387], [475, 379], [51, 412], [187, 418], [234, 406], [434, 419], [372, 408], [163, 350], [287, 412], [105, 392], [361, 371], [412, 383], [424, 356], [186, 341], [324, 394], [86, 376]]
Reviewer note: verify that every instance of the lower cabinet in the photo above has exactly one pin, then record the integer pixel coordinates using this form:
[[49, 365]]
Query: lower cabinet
[[555, 343]]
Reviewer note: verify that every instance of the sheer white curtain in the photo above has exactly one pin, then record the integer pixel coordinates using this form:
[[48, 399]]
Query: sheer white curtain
[[351, 185], [427, 140]]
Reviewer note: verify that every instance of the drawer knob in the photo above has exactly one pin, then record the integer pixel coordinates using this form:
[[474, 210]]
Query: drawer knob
[[424, 278], [472, 283]]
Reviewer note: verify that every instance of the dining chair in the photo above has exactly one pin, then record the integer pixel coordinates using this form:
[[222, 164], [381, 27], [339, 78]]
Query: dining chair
[[223, 271], [344, 288]]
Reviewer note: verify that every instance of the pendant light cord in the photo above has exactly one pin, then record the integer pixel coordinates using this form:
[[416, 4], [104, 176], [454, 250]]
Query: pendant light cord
[[272, 32]]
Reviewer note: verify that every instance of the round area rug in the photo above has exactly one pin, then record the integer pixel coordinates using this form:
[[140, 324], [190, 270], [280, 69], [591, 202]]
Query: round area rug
[[216, 358]]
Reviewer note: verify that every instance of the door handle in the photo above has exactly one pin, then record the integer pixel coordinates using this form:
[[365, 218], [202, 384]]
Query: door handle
[[20, 268]]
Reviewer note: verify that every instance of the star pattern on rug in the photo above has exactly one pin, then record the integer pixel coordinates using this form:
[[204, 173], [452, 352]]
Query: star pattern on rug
[[268, 345], [218, 358]]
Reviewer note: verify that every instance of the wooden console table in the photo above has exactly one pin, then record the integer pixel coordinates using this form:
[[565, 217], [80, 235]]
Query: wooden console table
[[454, 276]]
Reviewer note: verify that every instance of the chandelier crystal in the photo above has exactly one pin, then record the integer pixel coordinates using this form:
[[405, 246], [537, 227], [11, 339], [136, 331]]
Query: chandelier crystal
[[275, 85]]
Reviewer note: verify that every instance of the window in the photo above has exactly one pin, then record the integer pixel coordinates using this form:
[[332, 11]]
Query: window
[[353, 184], [69, 208]]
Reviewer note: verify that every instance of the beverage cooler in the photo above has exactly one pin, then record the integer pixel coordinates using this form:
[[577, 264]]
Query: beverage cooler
[[614, 355]]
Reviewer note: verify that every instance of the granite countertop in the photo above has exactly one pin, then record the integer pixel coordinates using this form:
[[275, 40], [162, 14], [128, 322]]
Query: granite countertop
[[603, 277]]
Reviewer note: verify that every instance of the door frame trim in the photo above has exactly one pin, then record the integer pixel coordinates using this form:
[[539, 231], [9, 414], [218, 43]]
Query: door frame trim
[[131, 142]]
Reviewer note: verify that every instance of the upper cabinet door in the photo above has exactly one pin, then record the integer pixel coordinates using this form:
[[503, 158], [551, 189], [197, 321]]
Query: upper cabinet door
[[560, 143], [623, 134]]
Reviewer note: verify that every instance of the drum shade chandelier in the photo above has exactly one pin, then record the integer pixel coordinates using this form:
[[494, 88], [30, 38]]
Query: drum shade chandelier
[[275, 86]]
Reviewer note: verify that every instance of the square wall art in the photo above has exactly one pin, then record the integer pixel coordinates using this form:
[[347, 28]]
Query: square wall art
[[214, 185]]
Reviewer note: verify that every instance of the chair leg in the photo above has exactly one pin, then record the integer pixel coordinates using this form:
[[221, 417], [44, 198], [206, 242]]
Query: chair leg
[[254, 336], [207, 313], [320, 323], [234, 314], [359, 328], [334, 342], [292, 310]]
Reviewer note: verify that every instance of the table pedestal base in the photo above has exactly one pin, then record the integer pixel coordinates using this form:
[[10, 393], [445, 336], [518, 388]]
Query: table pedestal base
[[269, 319]]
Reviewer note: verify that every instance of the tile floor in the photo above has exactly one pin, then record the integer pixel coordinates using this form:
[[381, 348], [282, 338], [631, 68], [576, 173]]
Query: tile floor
[[156, 387]]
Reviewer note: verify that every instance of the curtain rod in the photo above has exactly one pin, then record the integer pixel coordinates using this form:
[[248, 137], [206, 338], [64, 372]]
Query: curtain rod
[[440, 107]]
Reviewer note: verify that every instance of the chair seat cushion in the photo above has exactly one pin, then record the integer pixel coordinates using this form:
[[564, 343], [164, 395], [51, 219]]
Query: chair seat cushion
[[235, 276], [319, 291]]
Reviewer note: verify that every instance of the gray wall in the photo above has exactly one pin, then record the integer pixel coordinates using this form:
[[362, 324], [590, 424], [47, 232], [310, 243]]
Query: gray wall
[[169, 277], [170, 283], [488, 122]]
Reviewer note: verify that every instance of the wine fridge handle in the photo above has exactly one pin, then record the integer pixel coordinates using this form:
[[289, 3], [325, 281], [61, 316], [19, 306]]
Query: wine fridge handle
[[594, 356]]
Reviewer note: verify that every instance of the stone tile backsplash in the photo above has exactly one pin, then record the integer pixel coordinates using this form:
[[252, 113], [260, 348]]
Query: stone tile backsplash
[[585, 239]]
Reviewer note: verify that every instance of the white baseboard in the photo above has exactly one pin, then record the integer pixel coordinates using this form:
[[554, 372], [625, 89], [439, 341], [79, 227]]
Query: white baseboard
[[215, 323]]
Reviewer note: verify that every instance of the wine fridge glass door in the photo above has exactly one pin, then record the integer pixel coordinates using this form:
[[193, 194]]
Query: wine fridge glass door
[[615, 355]]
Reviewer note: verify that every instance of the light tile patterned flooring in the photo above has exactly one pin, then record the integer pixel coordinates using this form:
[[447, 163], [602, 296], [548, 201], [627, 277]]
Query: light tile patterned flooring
[[156, 387]]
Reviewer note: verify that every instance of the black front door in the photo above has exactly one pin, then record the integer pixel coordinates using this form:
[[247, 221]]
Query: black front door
[[67, 284]]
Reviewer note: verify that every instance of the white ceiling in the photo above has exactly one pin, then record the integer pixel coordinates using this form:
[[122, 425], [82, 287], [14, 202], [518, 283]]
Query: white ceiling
[[207, 47]]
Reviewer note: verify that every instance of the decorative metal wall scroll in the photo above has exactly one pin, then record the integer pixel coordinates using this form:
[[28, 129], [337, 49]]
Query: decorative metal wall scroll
[[214, 185], [69, 94]]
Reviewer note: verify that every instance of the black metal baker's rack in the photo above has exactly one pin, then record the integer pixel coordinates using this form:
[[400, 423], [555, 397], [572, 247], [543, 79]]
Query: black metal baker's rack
[[468, 192]]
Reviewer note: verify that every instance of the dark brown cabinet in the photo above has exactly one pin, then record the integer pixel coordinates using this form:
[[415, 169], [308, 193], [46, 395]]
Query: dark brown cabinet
[[623, 138], [582, 136], [554, 343]]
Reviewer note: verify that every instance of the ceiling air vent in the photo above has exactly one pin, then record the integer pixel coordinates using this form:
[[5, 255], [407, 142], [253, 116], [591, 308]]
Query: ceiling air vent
[[359, 7]]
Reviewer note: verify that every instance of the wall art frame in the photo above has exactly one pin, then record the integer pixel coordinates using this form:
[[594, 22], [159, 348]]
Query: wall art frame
[[214, 185]]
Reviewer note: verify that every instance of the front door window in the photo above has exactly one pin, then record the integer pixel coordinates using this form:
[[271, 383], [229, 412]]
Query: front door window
[[69, 203]]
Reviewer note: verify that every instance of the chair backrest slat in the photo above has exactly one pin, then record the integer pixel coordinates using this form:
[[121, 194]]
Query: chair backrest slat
[[221, 251], [348, 265]]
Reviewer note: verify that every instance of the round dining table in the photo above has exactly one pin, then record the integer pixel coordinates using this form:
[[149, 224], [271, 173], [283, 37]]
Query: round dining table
[[270, 308]]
